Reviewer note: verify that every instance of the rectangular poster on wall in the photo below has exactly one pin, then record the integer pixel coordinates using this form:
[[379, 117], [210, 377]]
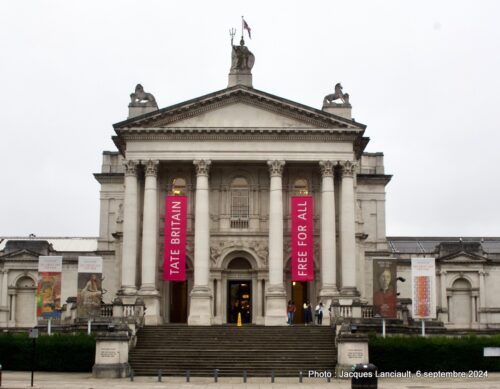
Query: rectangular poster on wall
[[302, 214], [423, 276], [89, 287], [174, 256], [48, 293], [384, 288]]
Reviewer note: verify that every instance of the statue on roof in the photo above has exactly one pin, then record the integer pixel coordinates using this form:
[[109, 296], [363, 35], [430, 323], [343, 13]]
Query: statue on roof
[[337, 95], [242, 58], [142, 99]]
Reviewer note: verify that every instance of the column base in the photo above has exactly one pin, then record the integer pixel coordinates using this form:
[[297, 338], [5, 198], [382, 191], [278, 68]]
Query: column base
[[349, 291], [200, 309], [151, 300], [127, 291], [275, 306]]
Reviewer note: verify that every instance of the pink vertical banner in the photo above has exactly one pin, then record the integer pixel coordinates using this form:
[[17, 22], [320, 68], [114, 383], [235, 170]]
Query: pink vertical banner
[[302, 238], [174, 257]]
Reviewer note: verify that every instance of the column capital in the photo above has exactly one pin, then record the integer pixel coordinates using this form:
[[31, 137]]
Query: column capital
[[348, 168], [202, 166], [130, 167], [275, 168], [326, 168], [151, 167]]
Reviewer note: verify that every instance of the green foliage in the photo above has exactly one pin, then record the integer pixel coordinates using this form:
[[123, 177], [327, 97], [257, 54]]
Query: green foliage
[[70, 353], [402, 353]]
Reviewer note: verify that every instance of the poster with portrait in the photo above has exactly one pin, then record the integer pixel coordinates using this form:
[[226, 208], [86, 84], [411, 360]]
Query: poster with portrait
[[48, 292], [423, 277], [384, 288], [89, 287]]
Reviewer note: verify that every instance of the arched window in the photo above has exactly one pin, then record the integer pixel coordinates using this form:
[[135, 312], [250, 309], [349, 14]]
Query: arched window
[[178, 186], [300, 187], [240, 208]]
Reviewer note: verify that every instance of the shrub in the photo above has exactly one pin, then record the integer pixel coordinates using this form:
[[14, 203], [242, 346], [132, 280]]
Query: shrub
[[69, 353], [402, 353]]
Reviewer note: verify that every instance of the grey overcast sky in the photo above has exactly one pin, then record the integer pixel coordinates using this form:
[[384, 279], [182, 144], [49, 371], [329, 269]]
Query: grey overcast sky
[[424, 77]]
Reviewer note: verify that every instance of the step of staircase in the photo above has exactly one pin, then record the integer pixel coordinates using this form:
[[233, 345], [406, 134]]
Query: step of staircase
[[258, 350]]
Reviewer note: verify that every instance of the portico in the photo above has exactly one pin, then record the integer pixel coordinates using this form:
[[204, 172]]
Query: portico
[[240, 154]]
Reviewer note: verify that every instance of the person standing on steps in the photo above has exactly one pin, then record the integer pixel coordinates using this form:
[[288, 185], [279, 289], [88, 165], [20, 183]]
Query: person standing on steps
[[307, 313], [318, 312], [290, 309]]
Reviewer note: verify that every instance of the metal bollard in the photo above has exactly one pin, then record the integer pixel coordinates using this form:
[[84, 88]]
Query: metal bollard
[[187, 375], [216, 375], [244, 376], [272, 376], [131, 375], [159, 375], [328, 378], [300, 376]]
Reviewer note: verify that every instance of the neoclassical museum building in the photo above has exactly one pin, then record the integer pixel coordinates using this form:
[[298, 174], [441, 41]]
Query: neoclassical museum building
[[238, 156]]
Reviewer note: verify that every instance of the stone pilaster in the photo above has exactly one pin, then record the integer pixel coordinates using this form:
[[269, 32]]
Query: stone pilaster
[[4, 294], [328, 237], [200, 311], [347, 230], [148, 290], [130, 226], [275, 291]]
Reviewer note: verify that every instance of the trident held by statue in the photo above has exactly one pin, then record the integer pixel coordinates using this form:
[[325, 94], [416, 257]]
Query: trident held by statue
[[232, 33]]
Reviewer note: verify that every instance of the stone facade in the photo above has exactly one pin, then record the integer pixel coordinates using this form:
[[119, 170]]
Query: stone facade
[[239, 154]]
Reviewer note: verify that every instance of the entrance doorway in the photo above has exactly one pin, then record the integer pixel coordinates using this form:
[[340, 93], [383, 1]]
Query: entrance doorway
[[299, 296], [178, 302], [239, 300]]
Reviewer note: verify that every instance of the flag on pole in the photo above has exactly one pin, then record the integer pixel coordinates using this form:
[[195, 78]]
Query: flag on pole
[[247, 27]]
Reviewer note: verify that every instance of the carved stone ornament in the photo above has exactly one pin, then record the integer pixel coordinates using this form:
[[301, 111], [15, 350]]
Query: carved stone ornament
[[130, 167], [259, 248], [338, 95], [276, 168], [348, 168], [142, 99], [151, 167], [119, 216], [202, 166], [326, 168]]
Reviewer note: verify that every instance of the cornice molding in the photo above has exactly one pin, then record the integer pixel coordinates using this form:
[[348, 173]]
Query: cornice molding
[[235, 134]]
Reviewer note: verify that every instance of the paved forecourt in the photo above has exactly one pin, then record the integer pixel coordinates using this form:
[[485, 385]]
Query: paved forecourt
[[85, 381]]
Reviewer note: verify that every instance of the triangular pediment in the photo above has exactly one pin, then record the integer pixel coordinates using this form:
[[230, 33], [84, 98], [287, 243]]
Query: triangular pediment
[[21, 254], [463, 257], [241, 107]]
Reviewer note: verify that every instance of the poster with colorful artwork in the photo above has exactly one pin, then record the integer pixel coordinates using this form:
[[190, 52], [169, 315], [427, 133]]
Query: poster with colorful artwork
[[48, 293], [423, 275]]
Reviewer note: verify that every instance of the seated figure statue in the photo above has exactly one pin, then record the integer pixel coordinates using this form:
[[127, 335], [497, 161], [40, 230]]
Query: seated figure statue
[[140, 98], [242, 59]]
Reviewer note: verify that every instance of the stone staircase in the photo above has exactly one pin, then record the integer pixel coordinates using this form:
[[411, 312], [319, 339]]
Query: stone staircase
[[257, 349]]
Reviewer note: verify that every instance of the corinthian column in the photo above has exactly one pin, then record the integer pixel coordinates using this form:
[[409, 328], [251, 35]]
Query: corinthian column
[[200, 311], [328, 246], [129, 256], [347, 230], [275, 293], [149, 244]]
